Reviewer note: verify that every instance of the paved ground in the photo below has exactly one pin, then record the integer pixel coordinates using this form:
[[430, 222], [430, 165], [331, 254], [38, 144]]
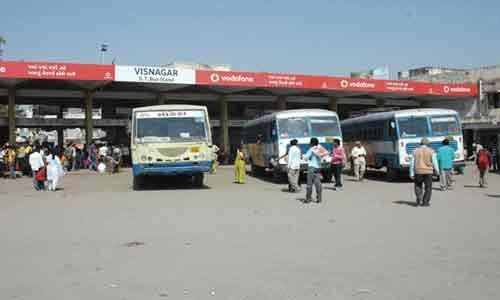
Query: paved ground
[[249, 241]]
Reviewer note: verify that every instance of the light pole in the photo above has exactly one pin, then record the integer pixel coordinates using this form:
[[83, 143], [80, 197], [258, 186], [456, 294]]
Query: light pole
[[103, 48]]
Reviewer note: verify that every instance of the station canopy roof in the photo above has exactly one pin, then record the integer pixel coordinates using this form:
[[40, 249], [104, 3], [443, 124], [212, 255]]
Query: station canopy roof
[[156, 79]]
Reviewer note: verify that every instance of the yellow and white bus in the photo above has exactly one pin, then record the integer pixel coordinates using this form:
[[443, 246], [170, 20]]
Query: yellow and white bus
[[171, 140]]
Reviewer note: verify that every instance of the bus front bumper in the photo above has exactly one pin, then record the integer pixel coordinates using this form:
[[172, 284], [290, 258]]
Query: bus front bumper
[[176, 168]]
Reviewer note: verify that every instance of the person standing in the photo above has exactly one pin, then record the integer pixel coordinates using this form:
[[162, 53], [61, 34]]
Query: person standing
[[293, 166], [20, 159], [338, 163], [239, 166], [54, 171], [313, 158], [11, 161], [37, 164], [445, 155], [483, 161], [358, 154], [423, 165]]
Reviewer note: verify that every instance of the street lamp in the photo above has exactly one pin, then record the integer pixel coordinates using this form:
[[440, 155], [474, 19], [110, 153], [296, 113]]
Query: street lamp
[[103, 48]]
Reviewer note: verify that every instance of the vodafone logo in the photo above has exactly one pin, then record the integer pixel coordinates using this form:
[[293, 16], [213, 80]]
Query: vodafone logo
[[232, 78], [3, 69], [214, 77], [456, 89], [357, 84]]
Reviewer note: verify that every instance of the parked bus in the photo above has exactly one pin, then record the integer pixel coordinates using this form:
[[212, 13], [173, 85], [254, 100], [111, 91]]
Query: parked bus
[[267, 138], [390, 137], [171, 140]]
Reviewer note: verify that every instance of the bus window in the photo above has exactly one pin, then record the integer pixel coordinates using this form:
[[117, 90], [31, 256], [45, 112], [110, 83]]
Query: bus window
[[190, 127], [413, 127], [324, 126], [444, 125], [293, 128]]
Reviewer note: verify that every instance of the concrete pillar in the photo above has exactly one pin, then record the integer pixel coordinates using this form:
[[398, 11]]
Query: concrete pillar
[[333, 104], [162, 99], [380, 102], [11, 115], [281, 103], [89, 126], [60, 136], [224, 124]]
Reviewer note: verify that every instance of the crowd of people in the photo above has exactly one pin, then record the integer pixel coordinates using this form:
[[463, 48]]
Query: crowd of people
[[47, 163], [425, 164]]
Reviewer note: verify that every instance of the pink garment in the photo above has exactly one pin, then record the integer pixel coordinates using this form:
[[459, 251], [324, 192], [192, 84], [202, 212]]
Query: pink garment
[[338, 156], [320, 151]]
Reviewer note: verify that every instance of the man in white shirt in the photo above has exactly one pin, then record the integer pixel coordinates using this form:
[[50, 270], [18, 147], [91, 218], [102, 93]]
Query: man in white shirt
[[293, 165], [358, 154], [36, 163]]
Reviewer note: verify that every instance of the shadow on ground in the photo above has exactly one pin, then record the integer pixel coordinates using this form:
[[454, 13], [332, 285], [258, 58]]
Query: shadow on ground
[[156, 183], [493, 196], [403, 202]]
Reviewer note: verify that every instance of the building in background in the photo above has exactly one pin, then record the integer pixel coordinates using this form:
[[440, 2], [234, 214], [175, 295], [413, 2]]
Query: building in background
[[378, 73]]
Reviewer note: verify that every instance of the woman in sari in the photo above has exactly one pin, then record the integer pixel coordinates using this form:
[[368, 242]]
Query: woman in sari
[[54, 171], [239, 166]]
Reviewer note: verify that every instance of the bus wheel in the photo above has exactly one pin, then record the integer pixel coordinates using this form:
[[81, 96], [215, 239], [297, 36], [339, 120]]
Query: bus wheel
[[392, 174], [198, 180], [254, 169], [327, 176], [137, 183], [278, 176]]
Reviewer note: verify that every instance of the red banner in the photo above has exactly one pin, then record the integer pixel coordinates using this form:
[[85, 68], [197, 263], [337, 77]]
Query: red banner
[[269, 80], [62, 71]]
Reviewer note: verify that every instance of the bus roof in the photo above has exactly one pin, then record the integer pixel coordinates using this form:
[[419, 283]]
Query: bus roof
[[170, 107], [292, 113], [400, 113]]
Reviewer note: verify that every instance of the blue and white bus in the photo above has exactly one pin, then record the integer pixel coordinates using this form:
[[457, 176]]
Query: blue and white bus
[[390, 137], [267, 138]]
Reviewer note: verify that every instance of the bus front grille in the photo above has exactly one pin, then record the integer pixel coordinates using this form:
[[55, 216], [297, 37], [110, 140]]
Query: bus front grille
[[172, 152]]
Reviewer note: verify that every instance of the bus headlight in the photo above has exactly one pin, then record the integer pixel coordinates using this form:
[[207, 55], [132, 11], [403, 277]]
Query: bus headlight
[[407, 159], [143, 157], [457, 155]]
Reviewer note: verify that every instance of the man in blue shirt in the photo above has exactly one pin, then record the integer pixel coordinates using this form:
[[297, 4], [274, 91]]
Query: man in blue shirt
[[313, 159], [445, 155]]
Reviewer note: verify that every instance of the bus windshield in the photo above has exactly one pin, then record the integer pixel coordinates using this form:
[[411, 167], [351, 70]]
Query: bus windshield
[[170, 126], [444, 125], [413, 127], [325, 126], [293, 128]]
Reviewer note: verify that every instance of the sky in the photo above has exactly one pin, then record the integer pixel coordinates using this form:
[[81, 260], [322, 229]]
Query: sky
[[323, 37]]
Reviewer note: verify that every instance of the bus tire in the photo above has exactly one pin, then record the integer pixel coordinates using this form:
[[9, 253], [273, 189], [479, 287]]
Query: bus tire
[[198, 180], [256, 171], [392, 174], [137, 183], [327, 175]]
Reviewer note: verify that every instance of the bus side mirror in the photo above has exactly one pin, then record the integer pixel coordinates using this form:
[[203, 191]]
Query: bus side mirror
[[393, 125]]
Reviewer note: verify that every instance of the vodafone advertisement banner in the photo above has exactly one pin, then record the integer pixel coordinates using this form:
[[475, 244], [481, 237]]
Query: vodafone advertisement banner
[[48, 70], [154, 74], [269, 80]]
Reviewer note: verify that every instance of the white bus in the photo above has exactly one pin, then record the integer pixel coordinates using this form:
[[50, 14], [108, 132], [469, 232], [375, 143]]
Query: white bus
[[171, 140], [267, 138], [390, 137]]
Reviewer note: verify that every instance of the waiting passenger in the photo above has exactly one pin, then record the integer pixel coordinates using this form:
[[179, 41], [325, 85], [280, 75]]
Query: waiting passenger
[[239, 166], [338, 163], [358, 154]]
